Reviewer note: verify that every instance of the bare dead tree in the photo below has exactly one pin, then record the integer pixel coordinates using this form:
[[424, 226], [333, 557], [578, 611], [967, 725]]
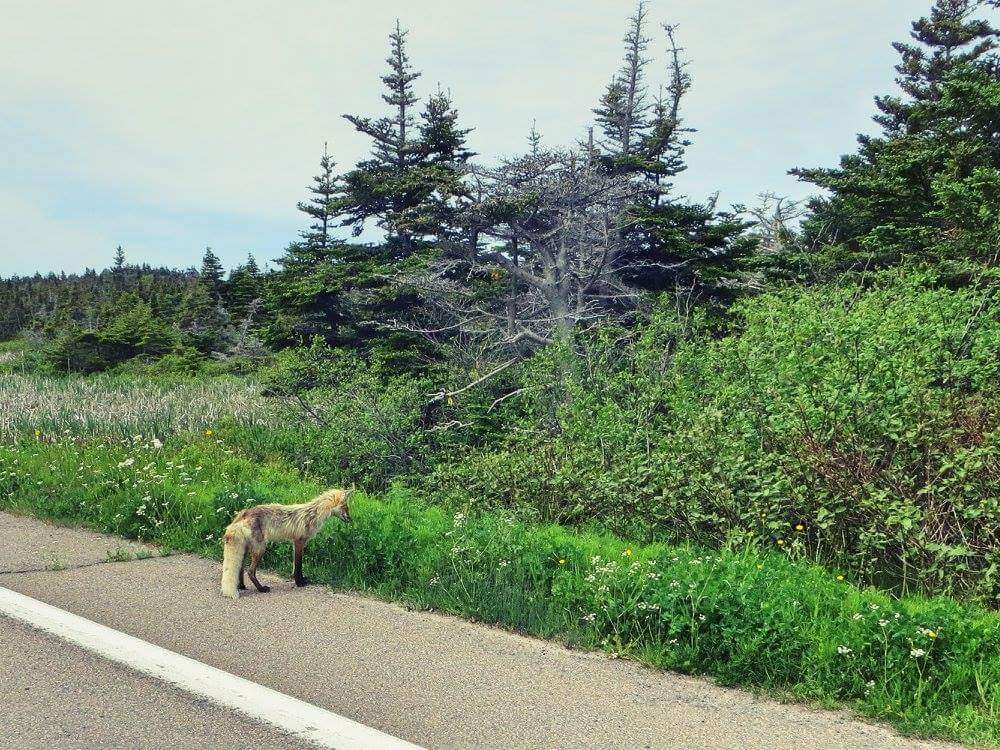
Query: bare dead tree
[[542, 256], [774, 216]]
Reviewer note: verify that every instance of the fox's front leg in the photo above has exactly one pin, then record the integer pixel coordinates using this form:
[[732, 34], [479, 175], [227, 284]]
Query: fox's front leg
[[298, 546], [243, 566]]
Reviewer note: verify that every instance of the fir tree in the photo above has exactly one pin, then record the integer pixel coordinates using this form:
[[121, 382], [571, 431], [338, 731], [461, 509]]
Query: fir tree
[[534, 140], [670, 241], [375, 189], [623, 110], [211, 273], [927, 186], [947, 39], [320, 206]]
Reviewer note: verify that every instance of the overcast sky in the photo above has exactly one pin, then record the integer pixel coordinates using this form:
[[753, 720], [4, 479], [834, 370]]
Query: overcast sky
[[170, 126]]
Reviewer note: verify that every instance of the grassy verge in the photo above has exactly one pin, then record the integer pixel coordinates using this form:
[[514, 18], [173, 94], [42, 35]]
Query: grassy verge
[[929, 666]]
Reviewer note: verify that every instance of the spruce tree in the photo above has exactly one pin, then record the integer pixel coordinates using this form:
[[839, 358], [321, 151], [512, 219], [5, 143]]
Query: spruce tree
[[950, 37], [671, 241], [926, 187], [245, 285], [320, 206], [376, 188], [414, 166], [211, 273], [622, 113], [534, 140]]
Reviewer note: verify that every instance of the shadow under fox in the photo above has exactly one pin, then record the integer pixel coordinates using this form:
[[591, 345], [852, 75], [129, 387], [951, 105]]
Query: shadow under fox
[[252, 529]]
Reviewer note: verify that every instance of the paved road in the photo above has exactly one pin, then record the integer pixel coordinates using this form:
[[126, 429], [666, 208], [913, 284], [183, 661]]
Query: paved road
[[431, 679], [56, 695]]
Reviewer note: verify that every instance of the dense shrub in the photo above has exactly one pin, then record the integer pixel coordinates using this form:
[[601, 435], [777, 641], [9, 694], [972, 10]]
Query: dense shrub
[[853, 425], [343, 419]]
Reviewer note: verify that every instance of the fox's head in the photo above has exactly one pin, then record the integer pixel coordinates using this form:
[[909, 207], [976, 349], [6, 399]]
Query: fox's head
[[343, 511]]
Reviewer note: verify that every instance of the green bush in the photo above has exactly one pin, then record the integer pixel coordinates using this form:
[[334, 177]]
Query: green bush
[[343, 420], [851, 425]]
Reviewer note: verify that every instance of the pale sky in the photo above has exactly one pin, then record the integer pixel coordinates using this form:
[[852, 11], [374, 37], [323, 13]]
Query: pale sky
[[169, 126]]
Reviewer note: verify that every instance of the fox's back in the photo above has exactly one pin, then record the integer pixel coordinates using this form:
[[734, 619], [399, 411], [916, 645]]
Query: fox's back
[[276, 521]]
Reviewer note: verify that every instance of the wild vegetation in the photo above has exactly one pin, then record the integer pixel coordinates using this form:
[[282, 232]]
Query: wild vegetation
[[759, 443]]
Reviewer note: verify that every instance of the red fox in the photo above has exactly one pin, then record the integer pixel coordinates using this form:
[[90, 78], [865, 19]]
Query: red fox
[[253, 528]]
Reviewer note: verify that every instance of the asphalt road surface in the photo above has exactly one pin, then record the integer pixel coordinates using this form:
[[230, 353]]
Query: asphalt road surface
[[433, 680]]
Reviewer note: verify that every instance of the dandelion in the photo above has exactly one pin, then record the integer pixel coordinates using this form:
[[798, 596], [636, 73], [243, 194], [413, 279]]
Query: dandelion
[[781, 542], [627, 552], [562, 561], [208, 433], [928, 633], [840, 578], [799, 527], [760, 566]]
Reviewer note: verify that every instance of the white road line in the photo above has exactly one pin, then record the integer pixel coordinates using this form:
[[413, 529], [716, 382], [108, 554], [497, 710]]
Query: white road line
[[304, 720]]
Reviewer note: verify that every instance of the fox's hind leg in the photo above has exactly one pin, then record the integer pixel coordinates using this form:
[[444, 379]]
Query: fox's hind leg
[[298, 546], [255, 556]]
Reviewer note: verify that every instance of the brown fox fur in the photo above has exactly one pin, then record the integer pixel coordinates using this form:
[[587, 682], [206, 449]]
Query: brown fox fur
[[253, 528]]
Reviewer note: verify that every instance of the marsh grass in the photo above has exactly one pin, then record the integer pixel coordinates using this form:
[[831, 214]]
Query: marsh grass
[[750, 617], [119, 407]]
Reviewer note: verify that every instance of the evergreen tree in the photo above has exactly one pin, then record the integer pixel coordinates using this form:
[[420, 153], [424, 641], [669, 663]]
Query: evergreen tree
[[119, 265], [927, 187], [623, 110], [671, 241], [534, 140], [211, 273], [414, 169], [320, 206], [245, 285], [438, 178], [305, 297], [946, 40], [375, 189]]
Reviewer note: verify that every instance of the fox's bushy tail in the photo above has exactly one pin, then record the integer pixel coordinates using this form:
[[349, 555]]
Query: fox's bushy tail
[[234, 546]]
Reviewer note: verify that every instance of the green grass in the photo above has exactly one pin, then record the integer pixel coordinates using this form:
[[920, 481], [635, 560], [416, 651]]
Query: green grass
[[930, 666]]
